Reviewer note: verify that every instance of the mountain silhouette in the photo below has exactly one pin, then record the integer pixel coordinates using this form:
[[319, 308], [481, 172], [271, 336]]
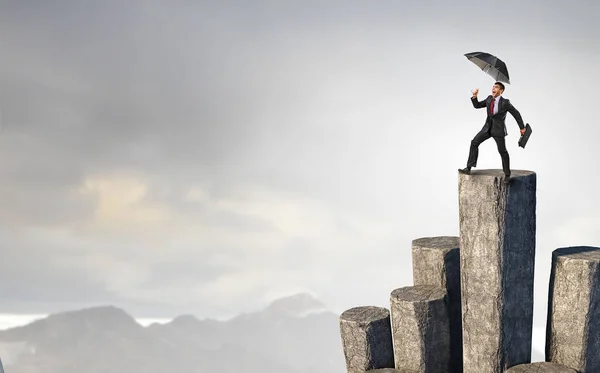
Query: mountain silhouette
[[291, 335], [295, 305]]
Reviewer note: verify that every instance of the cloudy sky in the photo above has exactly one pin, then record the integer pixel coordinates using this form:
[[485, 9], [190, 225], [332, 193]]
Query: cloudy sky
[[207, 157]]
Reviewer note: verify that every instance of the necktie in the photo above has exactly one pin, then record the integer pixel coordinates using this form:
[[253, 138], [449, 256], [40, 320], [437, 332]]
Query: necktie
[[492, 106]]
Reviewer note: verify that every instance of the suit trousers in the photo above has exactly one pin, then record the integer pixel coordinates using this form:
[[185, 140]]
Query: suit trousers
[[500, 142]]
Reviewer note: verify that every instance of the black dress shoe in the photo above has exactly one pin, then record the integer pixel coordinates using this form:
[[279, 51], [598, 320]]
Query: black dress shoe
[[466, 170], [507, 178]]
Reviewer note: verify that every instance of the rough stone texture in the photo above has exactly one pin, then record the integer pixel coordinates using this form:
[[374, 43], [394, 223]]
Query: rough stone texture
[[390, 370], [540, 368], [436, 261], [367, 338], [420, 329], [573, 326], [497, 252]]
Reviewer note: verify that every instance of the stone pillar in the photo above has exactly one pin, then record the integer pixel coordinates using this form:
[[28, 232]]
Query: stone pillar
[[436, 261], [420, 329], [367, 338], [573, 324], [497, 252], [542, 367]]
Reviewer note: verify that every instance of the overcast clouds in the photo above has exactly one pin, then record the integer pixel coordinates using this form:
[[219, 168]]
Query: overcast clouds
[[195, 157]]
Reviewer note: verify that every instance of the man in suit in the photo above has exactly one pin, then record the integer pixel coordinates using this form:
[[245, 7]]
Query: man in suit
[[497, 107]]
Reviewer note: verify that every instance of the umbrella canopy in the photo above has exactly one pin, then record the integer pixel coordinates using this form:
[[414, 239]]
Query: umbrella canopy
[[491, 65]]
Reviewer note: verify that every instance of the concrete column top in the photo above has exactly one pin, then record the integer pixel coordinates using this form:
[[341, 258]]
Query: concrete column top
[[365, 314], [540, 367], [441, 242], [498, 173], [582, 253], [418, 293]]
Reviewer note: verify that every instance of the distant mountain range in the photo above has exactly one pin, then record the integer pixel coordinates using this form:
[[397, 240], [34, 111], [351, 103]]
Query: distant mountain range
[[292, 335]]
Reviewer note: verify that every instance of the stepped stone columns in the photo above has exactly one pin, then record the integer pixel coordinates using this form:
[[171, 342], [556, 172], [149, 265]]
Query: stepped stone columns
[[420, 329], [436, 261], [543, 367], [497, 251], [573, 326], [367, 338]]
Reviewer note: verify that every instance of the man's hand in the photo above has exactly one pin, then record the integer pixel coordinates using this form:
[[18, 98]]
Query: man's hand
[[522, 131], [475, 92]]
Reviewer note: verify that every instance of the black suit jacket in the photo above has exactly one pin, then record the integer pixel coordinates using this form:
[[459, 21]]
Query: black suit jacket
[[495, 123]]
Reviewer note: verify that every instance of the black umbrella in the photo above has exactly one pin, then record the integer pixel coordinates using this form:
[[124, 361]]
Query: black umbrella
[[491, 65]]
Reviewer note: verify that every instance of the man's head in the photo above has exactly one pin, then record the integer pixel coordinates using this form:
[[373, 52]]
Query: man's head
[[497, 89]]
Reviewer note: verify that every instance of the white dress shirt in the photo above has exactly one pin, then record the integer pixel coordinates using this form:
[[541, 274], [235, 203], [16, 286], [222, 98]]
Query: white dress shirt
[[496, 103]]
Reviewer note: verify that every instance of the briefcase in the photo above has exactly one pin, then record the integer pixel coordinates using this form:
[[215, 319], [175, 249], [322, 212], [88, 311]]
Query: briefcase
[[525, 137]]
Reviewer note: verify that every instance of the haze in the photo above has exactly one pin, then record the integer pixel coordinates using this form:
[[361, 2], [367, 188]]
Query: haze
[[207, 158]]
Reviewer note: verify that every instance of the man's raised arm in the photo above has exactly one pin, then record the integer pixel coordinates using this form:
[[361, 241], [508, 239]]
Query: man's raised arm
[[476, 103]]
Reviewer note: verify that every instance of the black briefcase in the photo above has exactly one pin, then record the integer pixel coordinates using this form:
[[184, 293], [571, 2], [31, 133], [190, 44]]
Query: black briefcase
[[525, 137]]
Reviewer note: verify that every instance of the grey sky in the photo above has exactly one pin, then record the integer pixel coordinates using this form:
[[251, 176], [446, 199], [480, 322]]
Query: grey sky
[[207, 157]]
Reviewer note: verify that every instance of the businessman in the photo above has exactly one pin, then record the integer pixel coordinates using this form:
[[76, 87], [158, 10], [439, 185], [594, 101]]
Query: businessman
[[497, 107]]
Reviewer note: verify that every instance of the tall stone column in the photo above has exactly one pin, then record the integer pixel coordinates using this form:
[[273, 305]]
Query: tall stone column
[[421, 329], [573, 326], [497, 252], [367, 338], [436, 261]]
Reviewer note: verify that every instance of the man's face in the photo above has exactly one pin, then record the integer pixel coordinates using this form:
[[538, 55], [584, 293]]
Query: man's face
[[496, 90]]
